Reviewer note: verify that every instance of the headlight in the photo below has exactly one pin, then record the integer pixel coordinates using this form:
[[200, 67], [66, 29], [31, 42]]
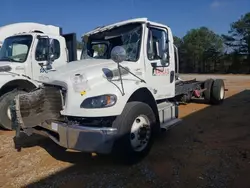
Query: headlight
[[101, 101]]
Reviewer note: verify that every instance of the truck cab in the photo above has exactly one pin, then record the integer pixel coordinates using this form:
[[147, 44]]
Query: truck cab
[[25, 57], [27, 54], [149, 47]]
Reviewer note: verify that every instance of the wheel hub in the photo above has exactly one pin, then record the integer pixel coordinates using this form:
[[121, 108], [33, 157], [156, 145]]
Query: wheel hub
[[222, 93], [140, 133]]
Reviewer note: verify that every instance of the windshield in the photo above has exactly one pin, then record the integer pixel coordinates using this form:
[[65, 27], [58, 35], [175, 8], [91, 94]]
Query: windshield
[[99, 45], [16, 48]]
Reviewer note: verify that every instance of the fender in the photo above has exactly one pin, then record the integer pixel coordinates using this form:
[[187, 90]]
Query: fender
[[10, 82], [72, 107]]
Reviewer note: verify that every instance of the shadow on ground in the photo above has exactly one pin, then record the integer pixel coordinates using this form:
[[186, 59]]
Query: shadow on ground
[[210, 148]]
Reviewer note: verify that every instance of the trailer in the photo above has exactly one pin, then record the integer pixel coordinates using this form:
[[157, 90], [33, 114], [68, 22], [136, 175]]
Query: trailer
[[118, 98], [28, 51]]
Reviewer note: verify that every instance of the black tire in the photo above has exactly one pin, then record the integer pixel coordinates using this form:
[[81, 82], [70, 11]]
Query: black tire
[[123, 147], [207, 93], [218, 92], [5, 101]]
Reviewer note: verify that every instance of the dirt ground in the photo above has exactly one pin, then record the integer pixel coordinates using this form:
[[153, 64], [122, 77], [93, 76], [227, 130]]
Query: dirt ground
[[210, 148]]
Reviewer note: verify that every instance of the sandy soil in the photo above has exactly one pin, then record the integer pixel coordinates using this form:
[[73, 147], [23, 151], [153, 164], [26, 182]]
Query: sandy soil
[[210, 148]]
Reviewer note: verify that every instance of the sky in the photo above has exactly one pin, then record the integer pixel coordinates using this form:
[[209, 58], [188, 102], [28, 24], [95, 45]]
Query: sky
[[81, 16]]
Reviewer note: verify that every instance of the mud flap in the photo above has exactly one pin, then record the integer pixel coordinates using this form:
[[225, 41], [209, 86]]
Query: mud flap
[[34, 108]]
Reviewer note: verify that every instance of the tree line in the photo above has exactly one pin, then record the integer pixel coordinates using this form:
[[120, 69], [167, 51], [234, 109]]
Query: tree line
[[201, 50]]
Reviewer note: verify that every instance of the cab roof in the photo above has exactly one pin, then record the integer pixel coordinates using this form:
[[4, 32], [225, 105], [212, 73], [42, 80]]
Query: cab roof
[[26, 27], [135, 20]]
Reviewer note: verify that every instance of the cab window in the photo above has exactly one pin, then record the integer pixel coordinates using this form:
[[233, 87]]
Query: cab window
[[42, 49], [156, 38]]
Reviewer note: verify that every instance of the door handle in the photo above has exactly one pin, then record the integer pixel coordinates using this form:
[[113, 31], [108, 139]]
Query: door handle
[[172, 75]]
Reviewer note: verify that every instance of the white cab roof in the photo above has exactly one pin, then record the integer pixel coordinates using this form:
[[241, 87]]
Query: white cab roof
[[15, 28], [136, 20]]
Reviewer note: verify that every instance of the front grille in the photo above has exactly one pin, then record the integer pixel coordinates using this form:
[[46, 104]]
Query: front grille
[[40, 105], [61, 89], [64, 94]]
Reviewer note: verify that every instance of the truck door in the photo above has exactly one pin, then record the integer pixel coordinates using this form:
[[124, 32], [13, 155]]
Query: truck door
[[41, 51], [160, 74]]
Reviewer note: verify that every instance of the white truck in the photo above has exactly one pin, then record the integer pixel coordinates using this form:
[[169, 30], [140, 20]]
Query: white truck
[[24, 56], [99, 105]]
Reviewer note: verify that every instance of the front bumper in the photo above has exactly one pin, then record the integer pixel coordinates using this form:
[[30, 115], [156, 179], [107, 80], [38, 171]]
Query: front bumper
[[29, 113], [80, 138]]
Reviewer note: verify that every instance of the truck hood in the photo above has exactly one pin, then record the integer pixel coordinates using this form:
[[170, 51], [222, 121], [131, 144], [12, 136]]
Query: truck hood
[[90, 68], [15, 67], [3, 63], [82, 65]]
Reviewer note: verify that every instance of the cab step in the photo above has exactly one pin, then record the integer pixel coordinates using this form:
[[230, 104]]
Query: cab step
[[170, 123]]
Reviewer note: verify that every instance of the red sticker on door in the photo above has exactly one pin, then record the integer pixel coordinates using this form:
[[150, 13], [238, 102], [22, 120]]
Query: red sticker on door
[[160, 71]]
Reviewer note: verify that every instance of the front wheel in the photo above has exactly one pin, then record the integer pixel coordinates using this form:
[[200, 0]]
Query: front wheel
[[5, 115], [136, 129]]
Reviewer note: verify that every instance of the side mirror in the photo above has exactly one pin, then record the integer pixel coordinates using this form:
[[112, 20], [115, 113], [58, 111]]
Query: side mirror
[[165, 57], [118, 54], [51, 57], [164, 42]]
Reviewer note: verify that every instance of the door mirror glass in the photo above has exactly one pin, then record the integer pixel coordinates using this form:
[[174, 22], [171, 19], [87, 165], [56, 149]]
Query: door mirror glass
[[118, 54], [51, 57], [165, 51], [165, 57], [164, 42]]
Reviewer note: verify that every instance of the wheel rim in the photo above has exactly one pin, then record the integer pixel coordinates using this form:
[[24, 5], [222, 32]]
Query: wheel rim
[[222, 93], [140, 133], [9, 113]]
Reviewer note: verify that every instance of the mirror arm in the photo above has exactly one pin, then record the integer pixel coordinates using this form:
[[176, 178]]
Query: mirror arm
[[132, 74], [120, 74]]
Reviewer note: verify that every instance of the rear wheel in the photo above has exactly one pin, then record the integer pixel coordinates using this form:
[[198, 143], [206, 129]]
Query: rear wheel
[[136, 129], [218, 92], [5, 115], [215, 91], [207, 93]]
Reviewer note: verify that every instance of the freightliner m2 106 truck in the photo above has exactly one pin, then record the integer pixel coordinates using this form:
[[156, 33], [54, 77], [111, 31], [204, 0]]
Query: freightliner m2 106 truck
[[119, 97]]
